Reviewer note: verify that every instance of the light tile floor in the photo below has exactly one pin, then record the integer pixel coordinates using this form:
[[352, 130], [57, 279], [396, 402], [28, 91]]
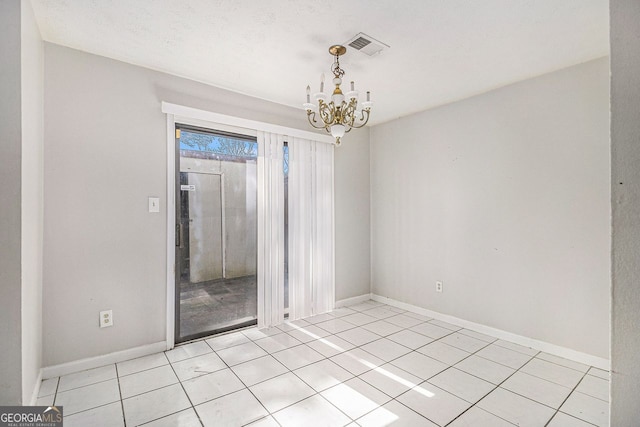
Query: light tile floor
[[366, 365]]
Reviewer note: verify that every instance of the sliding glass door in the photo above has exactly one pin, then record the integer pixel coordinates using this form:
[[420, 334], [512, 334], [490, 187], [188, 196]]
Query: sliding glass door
[[216, 232]]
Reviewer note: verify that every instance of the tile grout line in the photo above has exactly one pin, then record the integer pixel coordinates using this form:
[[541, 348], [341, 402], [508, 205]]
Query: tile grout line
[[533, 400], [243, 383], [567, 398], [124, 419], [552, 382], [92, 408], [55, 393], [492, 390], [315, 393], [497, 342], [97, 406], [449, 367], [155, 389], [411, 351], [392, 399], [395, 399], [87, 385], [526, 397], [183, 390], [558, 364], [109, 379], [319, 393]]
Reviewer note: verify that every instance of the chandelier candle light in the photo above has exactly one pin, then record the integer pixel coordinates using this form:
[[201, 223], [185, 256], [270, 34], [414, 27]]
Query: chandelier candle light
[[341, 113]]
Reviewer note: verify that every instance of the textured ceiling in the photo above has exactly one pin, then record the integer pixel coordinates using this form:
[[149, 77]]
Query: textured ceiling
[[441, 50]]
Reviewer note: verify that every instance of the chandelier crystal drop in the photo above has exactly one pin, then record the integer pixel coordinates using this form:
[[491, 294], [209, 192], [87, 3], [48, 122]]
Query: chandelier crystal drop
[[339, 113]]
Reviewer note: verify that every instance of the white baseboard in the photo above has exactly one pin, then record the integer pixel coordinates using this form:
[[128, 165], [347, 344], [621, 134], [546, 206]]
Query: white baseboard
[[554, 349], [353, 300], [107, 359], [36, 389]]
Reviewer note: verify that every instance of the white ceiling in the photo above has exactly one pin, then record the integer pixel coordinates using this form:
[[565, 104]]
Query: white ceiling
[[441, 50]]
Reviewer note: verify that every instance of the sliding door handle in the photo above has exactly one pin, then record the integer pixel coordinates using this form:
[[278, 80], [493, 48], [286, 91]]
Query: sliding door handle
[[179, 235]]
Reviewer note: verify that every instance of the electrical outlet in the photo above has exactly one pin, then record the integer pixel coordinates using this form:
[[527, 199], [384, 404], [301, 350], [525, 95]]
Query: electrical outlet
[[438, 286], [106, 318]]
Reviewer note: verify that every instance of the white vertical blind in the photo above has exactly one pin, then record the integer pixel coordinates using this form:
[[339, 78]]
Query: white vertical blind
[[322, 261], [270, 229], [311, 228], [300, 220]]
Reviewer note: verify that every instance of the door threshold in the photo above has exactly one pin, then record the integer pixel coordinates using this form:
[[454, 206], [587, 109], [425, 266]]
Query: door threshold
[[217, 332]]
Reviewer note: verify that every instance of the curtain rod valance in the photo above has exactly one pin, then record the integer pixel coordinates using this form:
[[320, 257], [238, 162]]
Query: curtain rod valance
[[209, 116]]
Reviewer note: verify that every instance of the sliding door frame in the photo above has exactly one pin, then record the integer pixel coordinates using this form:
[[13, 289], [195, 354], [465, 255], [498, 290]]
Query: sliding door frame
[[206, 119]]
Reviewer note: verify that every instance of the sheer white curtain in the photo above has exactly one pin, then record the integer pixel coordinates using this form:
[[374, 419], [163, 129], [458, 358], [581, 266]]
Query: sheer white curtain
[[270, 229], [311, 228]]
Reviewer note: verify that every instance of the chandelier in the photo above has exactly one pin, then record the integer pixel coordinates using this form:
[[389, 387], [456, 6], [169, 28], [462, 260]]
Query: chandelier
[[340, 113]]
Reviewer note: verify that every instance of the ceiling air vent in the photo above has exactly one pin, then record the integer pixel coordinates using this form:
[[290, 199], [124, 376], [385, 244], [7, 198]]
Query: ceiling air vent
[[366, 44]]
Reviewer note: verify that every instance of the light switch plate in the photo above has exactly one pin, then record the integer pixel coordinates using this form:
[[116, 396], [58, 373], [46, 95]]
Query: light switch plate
[[154, 204]]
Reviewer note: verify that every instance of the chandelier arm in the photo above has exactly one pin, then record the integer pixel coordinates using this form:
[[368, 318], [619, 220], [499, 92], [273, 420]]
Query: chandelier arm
[[363, 120], [349, 112], [327, 113], [311, 116]]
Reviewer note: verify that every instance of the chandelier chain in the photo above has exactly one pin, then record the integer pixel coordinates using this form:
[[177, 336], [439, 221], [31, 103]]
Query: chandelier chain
[[335, 68]]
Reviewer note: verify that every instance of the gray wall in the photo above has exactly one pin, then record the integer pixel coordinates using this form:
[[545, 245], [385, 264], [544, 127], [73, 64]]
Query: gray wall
[[10, 202], [32, 198], [105, 154], [352, 219], [505, 198], [625, 185]]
